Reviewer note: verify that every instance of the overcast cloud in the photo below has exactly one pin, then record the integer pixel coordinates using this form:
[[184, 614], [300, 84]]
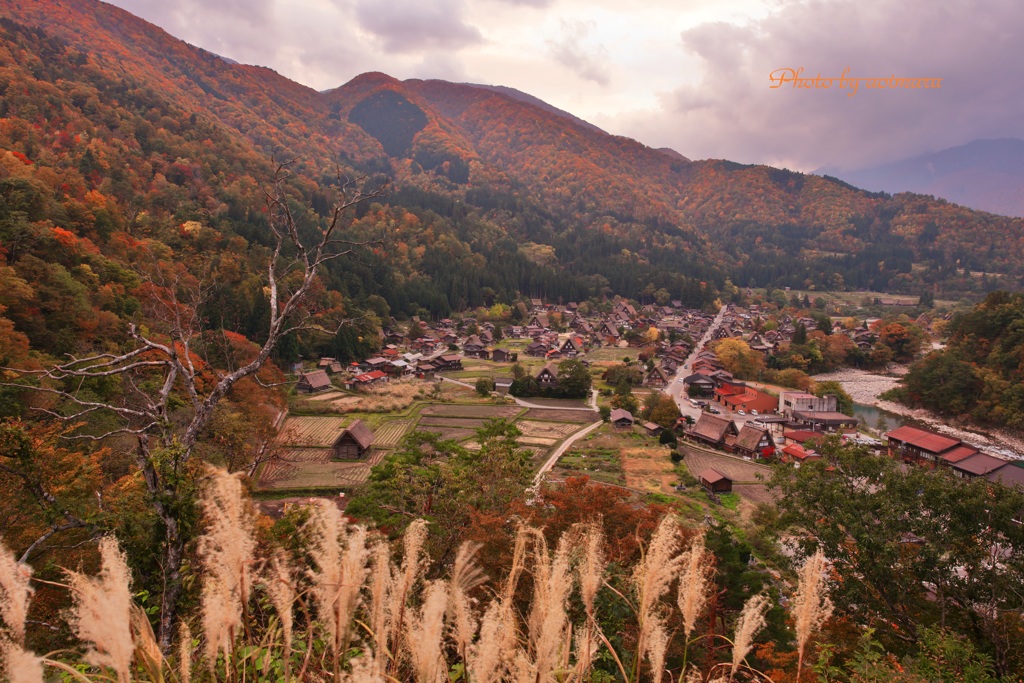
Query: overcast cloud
[[690, 75]]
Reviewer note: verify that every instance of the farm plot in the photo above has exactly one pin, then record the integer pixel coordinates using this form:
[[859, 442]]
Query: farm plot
[[600, 464], [312, 430], [737, 469], [449, 432], [478, 411], [468, 422], [648, 469], [310, 468], [553, 415], [546, 430], [536, 441], [390, 433]]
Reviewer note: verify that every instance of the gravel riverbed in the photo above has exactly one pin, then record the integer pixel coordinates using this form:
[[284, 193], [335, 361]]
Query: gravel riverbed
[[866, 386]]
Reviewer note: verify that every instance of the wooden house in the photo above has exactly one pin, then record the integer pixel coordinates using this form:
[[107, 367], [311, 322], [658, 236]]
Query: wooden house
[[714, 481], [621, 419], [312, 382], [656, 378], [548, 375], [712, 430], [353, 442], [754, 443]]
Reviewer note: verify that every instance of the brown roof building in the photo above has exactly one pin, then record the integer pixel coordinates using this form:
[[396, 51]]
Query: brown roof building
[[712, 429], [353, 442]]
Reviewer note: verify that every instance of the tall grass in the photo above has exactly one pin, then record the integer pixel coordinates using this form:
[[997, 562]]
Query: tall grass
[[358, 612]]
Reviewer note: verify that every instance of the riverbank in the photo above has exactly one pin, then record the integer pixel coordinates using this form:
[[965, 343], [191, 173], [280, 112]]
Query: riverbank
[[865, 387]]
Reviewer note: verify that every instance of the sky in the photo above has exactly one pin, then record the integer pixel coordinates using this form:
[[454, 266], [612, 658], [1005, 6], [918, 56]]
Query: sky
[[693, 75]]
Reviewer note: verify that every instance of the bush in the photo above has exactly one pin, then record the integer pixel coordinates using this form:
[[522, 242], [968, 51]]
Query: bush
[[668, 437], [484, 386], [675, 456], [605, 412]]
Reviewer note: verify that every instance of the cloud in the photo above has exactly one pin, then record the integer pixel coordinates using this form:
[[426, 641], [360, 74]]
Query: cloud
[[575, 51], [729, 111], [415, 25]]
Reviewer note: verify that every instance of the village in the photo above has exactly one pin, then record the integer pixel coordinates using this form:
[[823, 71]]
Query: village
[[453, 376]]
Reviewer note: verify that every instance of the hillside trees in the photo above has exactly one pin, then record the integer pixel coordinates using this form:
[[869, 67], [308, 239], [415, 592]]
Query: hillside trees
[[922, 544], [173, 373]]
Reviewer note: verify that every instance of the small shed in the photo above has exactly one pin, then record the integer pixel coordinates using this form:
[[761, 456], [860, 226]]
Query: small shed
[[353, 442], [653, 429], [312, 382], [714, 481], [621, 419]]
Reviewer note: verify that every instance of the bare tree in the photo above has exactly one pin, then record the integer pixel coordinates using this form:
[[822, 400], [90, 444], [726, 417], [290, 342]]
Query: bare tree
[[165, 436]]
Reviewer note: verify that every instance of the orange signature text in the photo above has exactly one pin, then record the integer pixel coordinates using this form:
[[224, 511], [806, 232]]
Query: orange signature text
[[796, 79]]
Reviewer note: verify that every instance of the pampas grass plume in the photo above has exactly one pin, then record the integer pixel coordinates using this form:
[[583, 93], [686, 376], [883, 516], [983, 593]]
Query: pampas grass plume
[[22, 666], [694, 584], [184, 652], [751, 620], [424, 633], [102, 611], [14, 593], [227, 553], [811, 604]]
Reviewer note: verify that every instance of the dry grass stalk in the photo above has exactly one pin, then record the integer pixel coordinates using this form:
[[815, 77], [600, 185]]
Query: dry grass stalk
[[340, 556], [694, 584], [466, 575], [147, 650], [414, 564], [548, 622], [102, 611], [811, 604], [382, 580], [592, 567], [15, 591], [425, 632], [184, 652], [751, 620], [485, 658], [226, 550], [280, 582], [585, 647], [22, 666], [652, 577], [657, 647]]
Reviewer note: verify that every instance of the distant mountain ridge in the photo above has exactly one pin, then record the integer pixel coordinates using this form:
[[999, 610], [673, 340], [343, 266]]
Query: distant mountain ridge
[[987, 175], [609, 211]]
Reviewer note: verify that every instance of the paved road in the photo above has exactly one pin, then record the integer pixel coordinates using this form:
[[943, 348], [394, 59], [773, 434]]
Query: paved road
[[677, 389]]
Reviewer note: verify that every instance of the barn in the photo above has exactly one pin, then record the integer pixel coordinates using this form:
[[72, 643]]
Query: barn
[[353, 442]]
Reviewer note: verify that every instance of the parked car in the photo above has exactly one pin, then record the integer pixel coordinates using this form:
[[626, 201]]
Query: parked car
[[753, 412], [741, 412]]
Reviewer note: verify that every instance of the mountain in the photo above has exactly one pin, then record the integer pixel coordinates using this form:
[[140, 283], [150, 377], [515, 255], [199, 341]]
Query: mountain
[[114, 134], [987, 175]]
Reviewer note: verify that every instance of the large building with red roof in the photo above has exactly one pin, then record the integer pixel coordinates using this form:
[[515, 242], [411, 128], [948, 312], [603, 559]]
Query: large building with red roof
[[919, 446]]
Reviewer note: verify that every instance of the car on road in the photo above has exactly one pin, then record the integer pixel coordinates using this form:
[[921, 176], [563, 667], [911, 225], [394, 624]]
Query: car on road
[[753, 412], [680, 380], [741, 412]]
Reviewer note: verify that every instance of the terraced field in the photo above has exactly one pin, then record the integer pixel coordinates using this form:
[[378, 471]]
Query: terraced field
[[478, 411], [390, 433], [312, 430], [468, 422], [547, 430], [552, 415], [309, 468], [735, 468]]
